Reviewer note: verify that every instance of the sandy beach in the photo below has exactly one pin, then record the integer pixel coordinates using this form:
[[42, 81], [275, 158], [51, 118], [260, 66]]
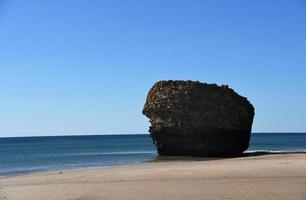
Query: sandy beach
[[281, 176]]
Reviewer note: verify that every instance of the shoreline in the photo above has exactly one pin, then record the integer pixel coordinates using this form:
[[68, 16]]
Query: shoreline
[[272, 176], [57, 170], [249, 153]]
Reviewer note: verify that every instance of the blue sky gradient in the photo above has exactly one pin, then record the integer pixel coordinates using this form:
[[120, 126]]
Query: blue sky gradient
[[85, 67]]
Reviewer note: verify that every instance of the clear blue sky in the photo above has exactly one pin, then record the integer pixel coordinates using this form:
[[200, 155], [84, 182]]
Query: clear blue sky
[[85, 67]]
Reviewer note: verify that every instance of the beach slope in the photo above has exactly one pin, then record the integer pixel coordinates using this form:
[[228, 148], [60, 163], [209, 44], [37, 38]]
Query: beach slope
[[281, 176]]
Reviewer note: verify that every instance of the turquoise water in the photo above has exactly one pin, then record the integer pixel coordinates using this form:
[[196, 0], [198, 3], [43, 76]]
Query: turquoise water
[[27, 154]]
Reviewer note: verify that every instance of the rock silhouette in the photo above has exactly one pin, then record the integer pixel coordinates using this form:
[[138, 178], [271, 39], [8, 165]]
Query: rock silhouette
[[189, 118]]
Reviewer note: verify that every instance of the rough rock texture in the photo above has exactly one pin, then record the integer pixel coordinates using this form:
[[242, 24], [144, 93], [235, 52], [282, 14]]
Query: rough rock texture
[[198, 119]]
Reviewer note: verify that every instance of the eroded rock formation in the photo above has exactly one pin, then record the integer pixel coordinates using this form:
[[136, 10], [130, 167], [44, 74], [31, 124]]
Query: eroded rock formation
[[198, 119]]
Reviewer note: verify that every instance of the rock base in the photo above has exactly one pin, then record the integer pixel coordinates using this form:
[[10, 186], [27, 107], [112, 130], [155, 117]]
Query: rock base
[[207, 144]]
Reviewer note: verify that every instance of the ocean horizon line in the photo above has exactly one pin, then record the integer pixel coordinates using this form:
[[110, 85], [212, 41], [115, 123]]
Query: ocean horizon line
[[123, 134]]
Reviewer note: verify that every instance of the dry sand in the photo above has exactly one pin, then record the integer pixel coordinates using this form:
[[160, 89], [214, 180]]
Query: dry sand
[[278, 177]]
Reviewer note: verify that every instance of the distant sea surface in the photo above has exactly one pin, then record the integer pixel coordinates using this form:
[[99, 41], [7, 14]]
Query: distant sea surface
[[29, 154]]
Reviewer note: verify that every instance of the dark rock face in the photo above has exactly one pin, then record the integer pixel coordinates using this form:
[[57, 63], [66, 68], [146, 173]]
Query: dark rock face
[[198, 119]]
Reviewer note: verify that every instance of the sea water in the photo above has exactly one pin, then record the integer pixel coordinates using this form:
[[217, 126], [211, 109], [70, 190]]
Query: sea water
[[28, 154]]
